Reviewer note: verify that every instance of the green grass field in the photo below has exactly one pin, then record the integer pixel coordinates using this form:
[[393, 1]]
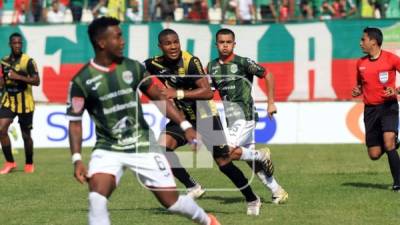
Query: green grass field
[[327, 184]]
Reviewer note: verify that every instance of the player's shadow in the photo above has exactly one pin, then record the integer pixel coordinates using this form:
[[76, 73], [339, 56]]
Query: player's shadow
[[366, 185], [224, 200]]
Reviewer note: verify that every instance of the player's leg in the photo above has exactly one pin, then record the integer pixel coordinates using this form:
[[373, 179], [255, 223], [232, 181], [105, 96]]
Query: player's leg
[[105, 171], [241, 133], [6, 118], [154, 173], [25, 122], [390, 121], [171, 139]]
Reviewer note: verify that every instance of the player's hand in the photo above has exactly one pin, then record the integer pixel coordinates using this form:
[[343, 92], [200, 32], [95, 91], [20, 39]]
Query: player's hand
[[169, 93], [356, 91], [389, 91], [271, 109], [13, 75], [80, 172], [191, 137]]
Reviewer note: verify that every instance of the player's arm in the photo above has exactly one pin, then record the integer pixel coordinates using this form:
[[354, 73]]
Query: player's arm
[[33, 74], [254, 69], [154, 93], [357, 90], [75, 108], [270, 84], [201, 92]]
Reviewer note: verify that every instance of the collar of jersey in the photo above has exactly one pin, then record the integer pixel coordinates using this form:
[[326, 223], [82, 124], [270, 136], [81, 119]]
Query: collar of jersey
[[103, 68], [227, 60]]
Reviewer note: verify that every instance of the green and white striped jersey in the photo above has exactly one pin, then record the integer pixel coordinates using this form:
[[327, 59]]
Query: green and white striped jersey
[[111, 99]]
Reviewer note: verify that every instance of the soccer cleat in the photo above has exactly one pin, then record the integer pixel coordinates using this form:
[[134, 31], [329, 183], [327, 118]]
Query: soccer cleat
[[253, 207], [29, 168], [280, 196], [213, 220], [396, 188], [196, 191], [266, 161], [8, 167]]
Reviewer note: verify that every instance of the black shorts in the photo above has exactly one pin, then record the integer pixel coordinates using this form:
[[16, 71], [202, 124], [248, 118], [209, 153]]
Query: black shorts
[[378, 119], [24, 119], [211, 131]]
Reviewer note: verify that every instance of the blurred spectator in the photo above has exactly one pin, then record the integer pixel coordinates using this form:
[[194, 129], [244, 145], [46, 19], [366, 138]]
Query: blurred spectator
[[21, 8], [55, 15], [344, 8], [100, 9], [380, 8], [228, 8], [1, 11], [267, 10], [284, 11], [245, 11], [36, 10], [306, 9], [134, 12], [187, 6], [168, 9], [116, 9], [76, 7], [326, 11], [393, 10], [199, 11], [367, 9]]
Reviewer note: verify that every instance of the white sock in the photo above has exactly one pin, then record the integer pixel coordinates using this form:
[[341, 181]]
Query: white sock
[[98, 213], [249, 154], [188, 207], [270, 182]]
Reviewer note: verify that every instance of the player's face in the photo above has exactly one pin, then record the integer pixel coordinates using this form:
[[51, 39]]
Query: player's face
[[225, 44], [16, 45], [113, 42], [170, 46], [366, 43]]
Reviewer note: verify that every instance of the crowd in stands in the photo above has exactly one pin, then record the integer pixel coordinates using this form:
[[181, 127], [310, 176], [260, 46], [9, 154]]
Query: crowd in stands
[[226, 11]]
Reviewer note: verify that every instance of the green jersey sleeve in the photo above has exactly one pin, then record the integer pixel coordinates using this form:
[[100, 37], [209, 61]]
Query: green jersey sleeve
[[145, 78], [252, 68]]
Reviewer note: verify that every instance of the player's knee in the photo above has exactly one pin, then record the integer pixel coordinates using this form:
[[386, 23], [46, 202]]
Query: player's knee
[[97, 200], [374, 156]]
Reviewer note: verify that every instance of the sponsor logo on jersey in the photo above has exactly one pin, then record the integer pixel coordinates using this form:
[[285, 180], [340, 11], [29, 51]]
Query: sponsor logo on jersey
[[383, 77], [96, 86], [127, 77], [234, 68]]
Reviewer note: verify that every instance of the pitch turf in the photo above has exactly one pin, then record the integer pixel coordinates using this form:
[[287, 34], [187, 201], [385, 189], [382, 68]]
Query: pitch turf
[[327, 184]]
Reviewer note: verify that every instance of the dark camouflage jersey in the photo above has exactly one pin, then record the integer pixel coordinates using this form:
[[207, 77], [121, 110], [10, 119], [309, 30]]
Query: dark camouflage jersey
[[111, 99], [233, 80]]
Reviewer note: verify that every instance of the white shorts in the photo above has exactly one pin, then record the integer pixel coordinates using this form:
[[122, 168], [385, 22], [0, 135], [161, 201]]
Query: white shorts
[[152, 169], [241, 133]]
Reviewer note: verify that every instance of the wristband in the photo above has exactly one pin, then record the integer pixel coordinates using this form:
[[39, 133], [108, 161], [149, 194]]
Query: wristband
[[76, 157], [180, 94], [185, 125]]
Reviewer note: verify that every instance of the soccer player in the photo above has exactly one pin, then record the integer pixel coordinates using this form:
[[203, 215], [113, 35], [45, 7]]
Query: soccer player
[[18, 74], [232, 76], [376, 80], [107, 88], [192, 95]]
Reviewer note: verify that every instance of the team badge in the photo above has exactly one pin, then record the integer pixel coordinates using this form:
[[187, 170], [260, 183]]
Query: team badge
[[181, 72], [17, 67], [383, 77], [234, 68], [77, 104], [127, 77]]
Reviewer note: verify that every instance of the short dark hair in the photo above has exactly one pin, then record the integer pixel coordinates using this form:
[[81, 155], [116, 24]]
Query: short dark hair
[[374, 33], [166, 32], [98, 26], [225, 31], [13, 35]]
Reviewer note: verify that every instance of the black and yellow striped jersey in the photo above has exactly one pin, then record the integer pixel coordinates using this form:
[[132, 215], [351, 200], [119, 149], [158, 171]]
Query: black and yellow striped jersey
[[182, 74], [17, 94]]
